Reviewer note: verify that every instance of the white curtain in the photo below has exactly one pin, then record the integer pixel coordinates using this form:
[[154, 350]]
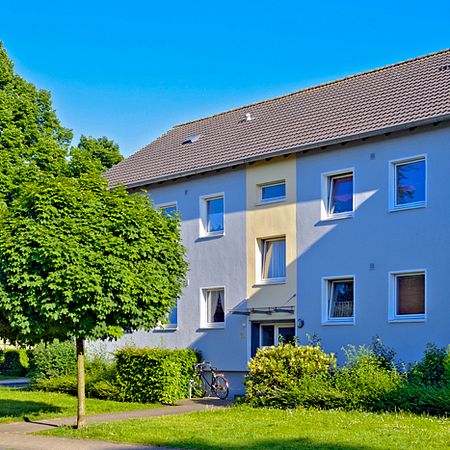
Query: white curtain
[[214, 306], [274, 259]]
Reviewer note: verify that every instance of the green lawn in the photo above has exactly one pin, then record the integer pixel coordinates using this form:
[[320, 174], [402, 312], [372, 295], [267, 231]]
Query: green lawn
[[17, 403], [245, 428]]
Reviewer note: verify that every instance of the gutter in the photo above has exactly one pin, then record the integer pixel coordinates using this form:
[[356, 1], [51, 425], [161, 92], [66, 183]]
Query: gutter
[[298, 149]]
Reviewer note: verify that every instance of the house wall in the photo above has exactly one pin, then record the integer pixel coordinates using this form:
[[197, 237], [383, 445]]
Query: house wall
[[218, 261], [391, 241], [267, 221]]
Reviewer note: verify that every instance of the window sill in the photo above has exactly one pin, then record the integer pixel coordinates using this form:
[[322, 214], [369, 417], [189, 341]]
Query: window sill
[[270, 202], [165, 328], [205, 237], [270, 282], [408, 320], [407, 207], [211, 326], [347, 215], [339, 322]]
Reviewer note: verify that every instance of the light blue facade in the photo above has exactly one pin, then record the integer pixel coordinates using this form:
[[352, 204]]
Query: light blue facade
[[375, 242], [218, 261]]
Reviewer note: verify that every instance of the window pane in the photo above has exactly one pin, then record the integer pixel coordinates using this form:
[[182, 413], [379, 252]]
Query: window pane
[[411, 294], [286, 335], [341, 194], [267, 335], [341, 299], [273, 191], [215, 214], [215, 306], [410, 179], [274, 259], [169, 211], [173, 316]]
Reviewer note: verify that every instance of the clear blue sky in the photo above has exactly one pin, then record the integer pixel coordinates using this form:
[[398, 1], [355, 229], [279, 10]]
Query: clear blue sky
[[130, 70]]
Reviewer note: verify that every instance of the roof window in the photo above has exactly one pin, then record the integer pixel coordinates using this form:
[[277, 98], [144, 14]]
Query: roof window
[[191, 138]]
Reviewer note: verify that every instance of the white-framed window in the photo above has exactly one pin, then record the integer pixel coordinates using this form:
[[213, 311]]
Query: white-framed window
[[212, 307], [408, 183], [407, 299], [272, 192], [170, 321], [212, 215], [338, 300], [338, 194], [272, 334], [168, 209], [272, 260]]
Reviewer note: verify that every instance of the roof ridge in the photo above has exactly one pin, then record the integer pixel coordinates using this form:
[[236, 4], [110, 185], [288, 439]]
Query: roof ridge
[[317, 86]]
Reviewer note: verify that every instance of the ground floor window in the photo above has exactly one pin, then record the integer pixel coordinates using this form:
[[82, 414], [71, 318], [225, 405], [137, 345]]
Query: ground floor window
[[267, 334]]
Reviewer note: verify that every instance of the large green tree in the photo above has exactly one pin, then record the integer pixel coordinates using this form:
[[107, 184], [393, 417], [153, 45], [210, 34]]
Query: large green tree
[[77, 260]]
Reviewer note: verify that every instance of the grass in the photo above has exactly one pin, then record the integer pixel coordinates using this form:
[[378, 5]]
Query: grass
[[15, 404], [246, 428]]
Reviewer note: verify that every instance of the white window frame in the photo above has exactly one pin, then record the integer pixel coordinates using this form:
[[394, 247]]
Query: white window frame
[[277, 326], [204, 308], [203, 229], [393, 317], [393, 206], [260, 256], [274, 199], [162, 206], [326, 292], [327, 191]]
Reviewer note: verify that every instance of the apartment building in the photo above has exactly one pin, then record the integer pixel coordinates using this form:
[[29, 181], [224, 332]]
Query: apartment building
[[319, 213]]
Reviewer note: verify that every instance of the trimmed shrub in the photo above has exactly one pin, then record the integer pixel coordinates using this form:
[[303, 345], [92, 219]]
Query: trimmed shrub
[[14, 362], [154, 375], [286, 376], [66, 384], [52, 361]]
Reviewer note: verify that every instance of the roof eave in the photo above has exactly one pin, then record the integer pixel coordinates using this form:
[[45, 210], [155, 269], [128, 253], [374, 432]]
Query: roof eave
[[296, 149]]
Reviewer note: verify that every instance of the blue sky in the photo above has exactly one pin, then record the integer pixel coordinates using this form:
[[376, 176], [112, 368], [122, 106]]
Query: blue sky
[[131, 70]]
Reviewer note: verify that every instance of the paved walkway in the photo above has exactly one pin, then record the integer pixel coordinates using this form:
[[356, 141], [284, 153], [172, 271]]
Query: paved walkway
[[16, 435]]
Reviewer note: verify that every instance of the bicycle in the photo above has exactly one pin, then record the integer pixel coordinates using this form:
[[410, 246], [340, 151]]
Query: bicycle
[[200, 385]]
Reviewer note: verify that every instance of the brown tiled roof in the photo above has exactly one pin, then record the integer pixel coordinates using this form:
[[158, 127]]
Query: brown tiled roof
[[412, 92]]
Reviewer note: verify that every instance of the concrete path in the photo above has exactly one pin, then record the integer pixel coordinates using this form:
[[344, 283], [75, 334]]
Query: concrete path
[[16, 435]]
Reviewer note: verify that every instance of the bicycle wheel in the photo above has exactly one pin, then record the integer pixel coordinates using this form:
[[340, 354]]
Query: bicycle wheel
[[221, 387], [198, 388]]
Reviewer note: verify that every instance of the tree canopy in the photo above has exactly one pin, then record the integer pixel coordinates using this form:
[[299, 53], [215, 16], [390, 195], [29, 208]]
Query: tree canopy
[[76, 258]]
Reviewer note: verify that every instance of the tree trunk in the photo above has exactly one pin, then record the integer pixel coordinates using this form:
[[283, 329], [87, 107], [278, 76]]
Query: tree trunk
[[81, 420]]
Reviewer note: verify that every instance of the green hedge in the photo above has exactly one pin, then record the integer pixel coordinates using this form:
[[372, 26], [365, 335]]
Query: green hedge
[[154, 375], [14, 362], [52, 360]]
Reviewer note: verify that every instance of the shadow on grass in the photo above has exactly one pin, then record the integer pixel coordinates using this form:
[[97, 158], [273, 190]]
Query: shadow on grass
[[20, 408], [266, 444]]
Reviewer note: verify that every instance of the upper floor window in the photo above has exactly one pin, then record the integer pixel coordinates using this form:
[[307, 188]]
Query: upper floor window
[[272, 192], [408, 183], [337, 195], [273, 260], [169, 210], [338, 301], [212, 215], [407, 297]]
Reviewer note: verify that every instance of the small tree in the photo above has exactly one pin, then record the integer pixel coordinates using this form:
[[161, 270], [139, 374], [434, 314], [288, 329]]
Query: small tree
[[77, 260]]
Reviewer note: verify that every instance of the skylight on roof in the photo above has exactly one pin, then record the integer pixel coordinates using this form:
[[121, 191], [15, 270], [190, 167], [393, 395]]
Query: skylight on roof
[[191, 138]]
